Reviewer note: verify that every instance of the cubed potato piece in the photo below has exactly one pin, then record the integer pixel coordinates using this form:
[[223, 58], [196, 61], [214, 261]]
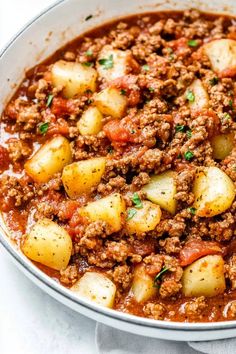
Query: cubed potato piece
[[204, 277], [214, 192], [143, 284], [96, 287], [74, 77], [48, 244], [90, 122], [117, 60], [161, 190], [49, 159], [143, 219], [222, 55], [222, 145], [109, 209], [79, 177], [111, 102], [201, 98]]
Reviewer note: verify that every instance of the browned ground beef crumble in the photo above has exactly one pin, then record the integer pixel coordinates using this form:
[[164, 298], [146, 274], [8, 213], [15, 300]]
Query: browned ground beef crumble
[[162, 66]]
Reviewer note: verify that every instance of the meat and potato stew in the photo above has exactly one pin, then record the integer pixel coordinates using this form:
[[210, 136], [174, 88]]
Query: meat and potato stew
[[118, 166]]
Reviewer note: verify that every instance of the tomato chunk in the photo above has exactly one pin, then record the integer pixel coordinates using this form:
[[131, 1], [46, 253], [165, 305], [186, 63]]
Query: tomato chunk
[[4, 158], [116, 131], [61, 106], [196, 249]]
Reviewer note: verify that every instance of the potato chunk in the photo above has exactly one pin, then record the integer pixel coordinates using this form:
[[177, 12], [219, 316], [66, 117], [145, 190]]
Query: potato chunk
[[204, 277], [109, 209], [214, 192], [111, 102], [79, 177], [143, 219], [49, 244], [74, 77], [200, 96], [161, 190], [143, 284], [222, 145], [49, 159], [90, 122], [112, 63], [96, 287], [222, 55]]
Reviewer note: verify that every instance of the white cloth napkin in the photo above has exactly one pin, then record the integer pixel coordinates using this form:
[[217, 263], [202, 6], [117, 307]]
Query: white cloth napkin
[[113, 341]]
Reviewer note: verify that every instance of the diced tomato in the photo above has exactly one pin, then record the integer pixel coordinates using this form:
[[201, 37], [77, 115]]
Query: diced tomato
[[231, 72], [61, 106], [4, 158], [67, 208], [144, 247], [11, 111], [60, 127], [180, 46], [196, 249], [116, 131]]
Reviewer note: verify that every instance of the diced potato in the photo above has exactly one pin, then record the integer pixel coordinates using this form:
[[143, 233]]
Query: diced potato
[[222, 145], [119, 63], [74, 77], [49, 244], [96, 287], [90, 122], [111, 102], [222, 55], [204, 277], [201, 98], [145, 219], [161, 190], [214, 192], [49, 159], [109, 209], [79, 177], [143, 284]]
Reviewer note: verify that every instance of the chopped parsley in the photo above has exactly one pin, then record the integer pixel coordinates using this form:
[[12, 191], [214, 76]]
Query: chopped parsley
[[192, 210], [43, 128], [89, 53], [214, 81], [151, 89], [227, 116], [145, 67], [157, 278], [180, 128], [192, 43], [107, 63], [188, 155], [190, 96], [131, 213], [189, 133], [137, 201], [231, 103], [88, 17], [49, 100], [123, 92], [87, 63]]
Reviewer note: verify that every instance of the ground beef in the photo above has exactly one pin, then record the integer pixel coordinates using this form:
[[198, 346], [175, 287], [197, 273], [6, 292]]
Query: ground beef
[[155, 311], [18, 150], [69, 275], [195, 307]]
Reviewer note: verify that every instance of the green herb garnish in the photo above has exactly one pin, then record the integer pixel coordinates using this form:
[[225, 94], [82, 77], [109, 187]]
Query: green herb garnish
[[192, 210], [190, 96], [188, 155], [107, 62], [49, 100], [151, 89], [227, 116], [192, 43], [231, 103], [145, 67], [87, 63], [131, 213], [89, 53], [214, 81], [137, 201], [123, 92], [88, 17], [189, 133], [157, 278], [43, 128], [180, 128]]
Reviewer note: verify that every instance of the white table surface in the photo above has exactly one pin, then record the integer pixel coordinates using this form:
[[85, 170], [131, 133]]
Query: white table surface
[[31, 322]]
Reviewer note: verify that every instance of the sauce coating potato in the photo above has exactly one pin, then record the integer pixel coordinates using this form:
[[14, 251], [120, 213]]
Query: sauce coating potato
[[96, 287], [49, 244], [161, 190], [111, 102], [204, 277], [49, 159], [74, 77], [214, 192], [79, 177]]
